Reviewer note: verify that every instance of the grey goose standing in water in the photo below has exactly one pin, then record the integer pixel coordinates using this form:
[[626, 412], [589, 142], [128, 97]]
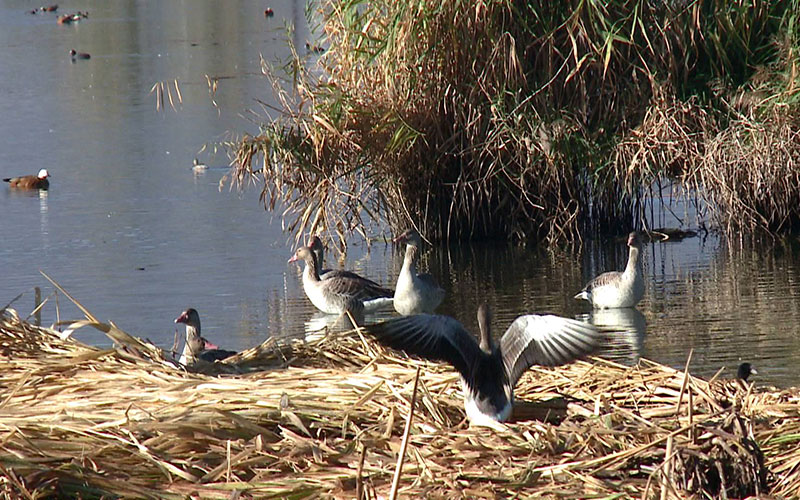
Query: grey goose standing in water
[[415, 293], [488, 371], [618, 289], [319, 257], [338, 294]]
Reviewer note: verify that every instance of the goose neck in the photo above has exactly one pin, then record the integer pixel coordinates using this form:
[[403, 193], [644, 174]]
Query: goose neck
[[633, 261], [409, 262]]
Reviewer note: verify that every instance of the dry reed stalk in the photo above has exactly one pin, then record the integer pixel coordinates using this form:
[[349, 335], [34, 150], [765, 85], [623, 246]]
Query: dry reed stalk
[[77, 420]]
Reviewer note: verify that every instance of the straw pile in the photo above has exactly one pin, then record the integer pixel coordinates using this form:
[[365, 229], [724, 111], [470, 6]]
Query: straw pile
[[327, 418]]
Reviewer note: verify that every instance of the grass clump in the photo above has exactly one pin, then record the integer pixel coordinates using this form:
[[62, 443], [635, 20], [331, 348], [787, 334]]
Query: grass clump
[[542, 120]]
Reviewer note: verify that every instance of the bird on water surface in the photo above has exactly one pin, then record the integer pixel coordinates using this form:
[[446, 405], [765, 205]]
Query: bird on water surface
[[618, 289], [318, 249], [489, 371], [38, 181], [79, 55], [415, 293], [338, 294]]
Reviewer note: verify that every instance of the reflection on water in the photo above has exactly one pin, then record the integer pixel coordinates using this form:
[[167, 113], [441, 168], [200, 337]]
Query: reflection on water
[[132, 233], [625, 330]]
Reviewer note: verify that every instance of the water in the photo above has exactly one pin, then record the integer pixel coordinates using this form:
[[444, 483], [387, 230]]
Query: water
[[133, 234]]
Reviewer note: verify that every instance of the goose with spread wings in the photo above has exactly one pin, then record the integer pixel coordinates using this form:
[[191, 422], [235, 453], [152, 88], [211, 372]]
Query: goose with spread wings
[[489, 371]]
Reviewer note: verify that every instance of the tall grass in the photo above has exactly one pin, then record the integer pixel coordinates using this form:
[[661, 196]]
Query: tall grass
[[529, 119]]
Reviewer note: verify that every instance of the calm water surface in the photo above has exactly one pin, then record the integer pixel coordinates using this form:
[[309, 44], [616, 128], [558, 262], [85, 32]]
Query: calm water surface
[[129, 231]]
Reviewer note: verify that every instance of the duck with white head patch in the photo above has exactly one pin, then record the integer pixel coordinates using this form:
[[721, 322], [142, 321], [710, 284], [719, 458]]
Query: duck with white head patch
[[38, 181]]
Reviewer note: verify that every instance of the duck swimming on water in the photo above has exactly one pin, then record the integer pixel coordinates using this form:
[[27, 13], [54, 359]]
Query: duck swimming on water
[[38, 181]]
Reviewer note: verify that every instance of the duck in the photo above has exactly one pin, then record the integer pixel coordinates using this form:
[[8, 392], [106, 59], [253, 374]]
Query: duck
[[314, 48], [338, 294], [317, 247], [489, 371], [726, 391], [199, 167], [415, 293], [38, 181], [615, 289], [72, 18], [196, 347], [79, 55]]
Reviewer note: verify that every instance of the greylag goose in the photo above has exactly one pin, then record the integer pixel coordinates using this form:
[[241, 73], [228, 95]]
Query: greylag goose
[[489, 372], [38, 181], [415, 293], [319, 257], [618, 289], [196, 347], [338, 294]]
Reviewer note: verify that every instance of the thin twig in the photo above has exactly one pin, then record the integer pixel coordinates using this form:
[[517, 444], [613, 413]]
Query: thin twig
[[402, 453]]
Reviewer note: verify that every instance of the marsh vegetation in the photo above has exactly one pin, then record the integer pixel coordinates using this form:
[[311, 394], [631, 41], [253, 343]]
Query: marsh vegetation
[[534, 120], [326, 418]]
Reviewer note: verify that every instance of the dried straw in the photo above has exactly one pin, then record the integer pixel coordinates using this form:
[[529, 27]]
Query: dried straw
[[76, 420]]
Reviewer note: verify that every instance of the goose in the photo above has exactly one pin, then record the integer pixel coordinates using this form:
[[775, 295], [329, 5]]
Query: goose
[[489, 372], [338, 294], [38, 181], [196, 347], [319, 256], [618, 289], [415, 293]]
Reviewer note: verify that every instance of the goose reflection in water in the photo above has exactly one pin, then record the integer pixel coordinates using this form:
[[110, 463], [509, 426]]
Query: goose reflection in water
[[625, 328], [319, 324]]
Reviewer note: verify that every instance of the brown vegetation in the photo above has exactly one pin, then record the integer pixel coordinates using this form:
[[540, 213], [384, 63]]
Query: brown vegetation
[[328, 421], [534, 119]]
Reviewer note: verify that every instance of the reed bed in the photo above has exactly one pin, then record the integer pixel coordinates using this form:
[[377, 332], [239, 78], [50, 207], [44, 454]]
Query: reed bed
[[326, 418], [531, 120]]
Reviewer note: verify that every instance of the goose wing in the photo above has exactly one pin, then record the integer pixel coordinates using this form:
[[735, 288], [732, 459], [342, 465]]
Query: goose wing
[[369, 288], [606, 278], [350, 287], [545, 340], [431, 336]]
